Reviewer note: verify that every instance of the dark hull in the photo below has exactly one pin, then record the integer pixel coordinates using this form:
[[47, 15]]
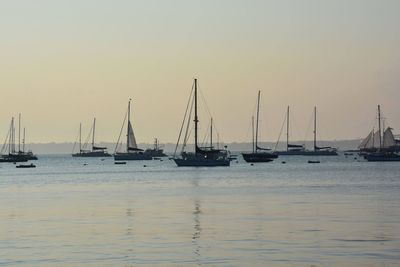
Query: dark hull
[[382, 157], [202, 163], [259, 157], [13, 159], [132, 156], [18, 157], [91, 155], [307, 153], [155, 153], [31, 157], [26, 166]]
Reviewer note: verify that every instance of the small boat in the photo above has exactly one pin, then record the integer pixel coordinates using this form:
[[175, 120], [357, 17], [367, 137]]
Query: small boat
[[26, 166], [132, 151], [258, 154], [314, 161], [120, 162], [206, 156], [95, 151], [156, 151]]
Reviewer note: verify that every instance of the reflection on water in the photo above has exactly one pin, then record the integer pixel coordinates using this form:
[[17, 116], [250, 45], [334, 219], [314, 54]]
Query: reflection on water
[[337, 213], [129, 215], [197, 228]]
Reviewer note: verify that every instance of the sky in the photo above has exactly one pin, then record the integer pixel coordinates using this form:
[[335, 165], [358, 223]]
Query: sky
[[65, 62]]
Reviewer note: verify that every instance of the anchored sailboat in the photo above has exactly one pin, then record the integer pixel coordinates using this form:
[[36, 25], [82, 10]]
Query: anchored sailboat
[[291, 149], [94, 151], [132, 151], [202, 156], [258, 153], [9, 151], [300, 150], [381, 147]]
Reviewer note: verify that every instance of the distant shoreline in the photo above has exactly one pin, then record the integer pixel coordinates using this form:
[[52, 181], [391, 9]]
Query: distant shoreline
[[66, 147]]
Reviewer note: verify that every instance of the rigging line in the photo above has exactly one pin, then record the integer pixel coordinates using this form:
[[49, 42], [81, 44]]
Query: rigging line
[[120, 133], [208, 110], [4, 147], [280, 133], [184, 118], [186, 137], [205, 103], [76, 140], [204, 142], [87, 138], [310, 122], [293, 125], [249, 129]]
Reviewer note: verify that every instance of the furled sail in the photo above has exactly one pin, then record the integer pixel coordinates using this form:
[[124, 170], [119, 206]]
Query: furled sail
[[295, 146], [388, 138], [99, 148], [261, 148]]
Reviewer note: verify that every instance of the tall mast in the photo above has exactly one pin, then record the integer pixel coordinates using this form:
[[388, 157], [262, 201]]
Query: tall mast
[[94, 129], [19, 132], [252, 132], [196, 119], [80, 137], [13, 136], [287, 129], [127, 128], [211, 133], [258, 112], [23, 142], [315, 128], [380, 129], [10, 137]]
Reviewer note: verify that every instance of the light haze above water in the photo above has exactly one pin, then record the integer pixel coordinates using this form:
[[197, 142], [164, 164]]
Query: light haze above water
[[342, 212]]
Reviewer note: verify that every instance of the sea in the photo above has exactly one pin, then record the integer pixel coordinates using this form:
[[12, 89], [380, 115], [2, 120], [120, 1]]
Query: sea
[[68, 211]]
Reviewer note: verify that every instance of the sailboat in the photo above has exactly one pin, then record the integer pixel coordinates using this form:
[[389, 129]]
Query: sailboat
[[291, 149], [300, 150], [14, 155], [206, 156], [95, 151], [258, 153], [378, 147], [372, 143], [132, 151]]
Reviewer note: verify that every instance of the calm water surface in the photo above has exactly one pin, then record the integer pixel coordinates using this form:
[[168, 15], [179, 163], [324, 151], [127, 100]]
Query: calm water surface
[[64, 213]]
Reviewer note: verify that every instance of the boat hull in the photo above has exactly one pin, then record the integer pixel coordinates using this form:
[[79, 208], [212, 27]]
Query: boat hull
[[13, 160], [259, 157], [307, 153], [132, 156], [26, 166], [382, 157], [202, 163], [95, 154]]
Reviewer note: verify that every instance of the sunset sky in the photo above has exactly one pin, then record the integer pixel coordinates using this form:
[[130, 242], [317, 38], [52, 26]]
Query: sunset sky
[[63, 62]]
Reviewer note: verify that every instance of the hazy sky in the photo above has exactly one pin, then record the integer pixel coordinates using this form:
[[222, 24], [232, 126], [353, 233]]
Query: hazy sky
[[63, 62]]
